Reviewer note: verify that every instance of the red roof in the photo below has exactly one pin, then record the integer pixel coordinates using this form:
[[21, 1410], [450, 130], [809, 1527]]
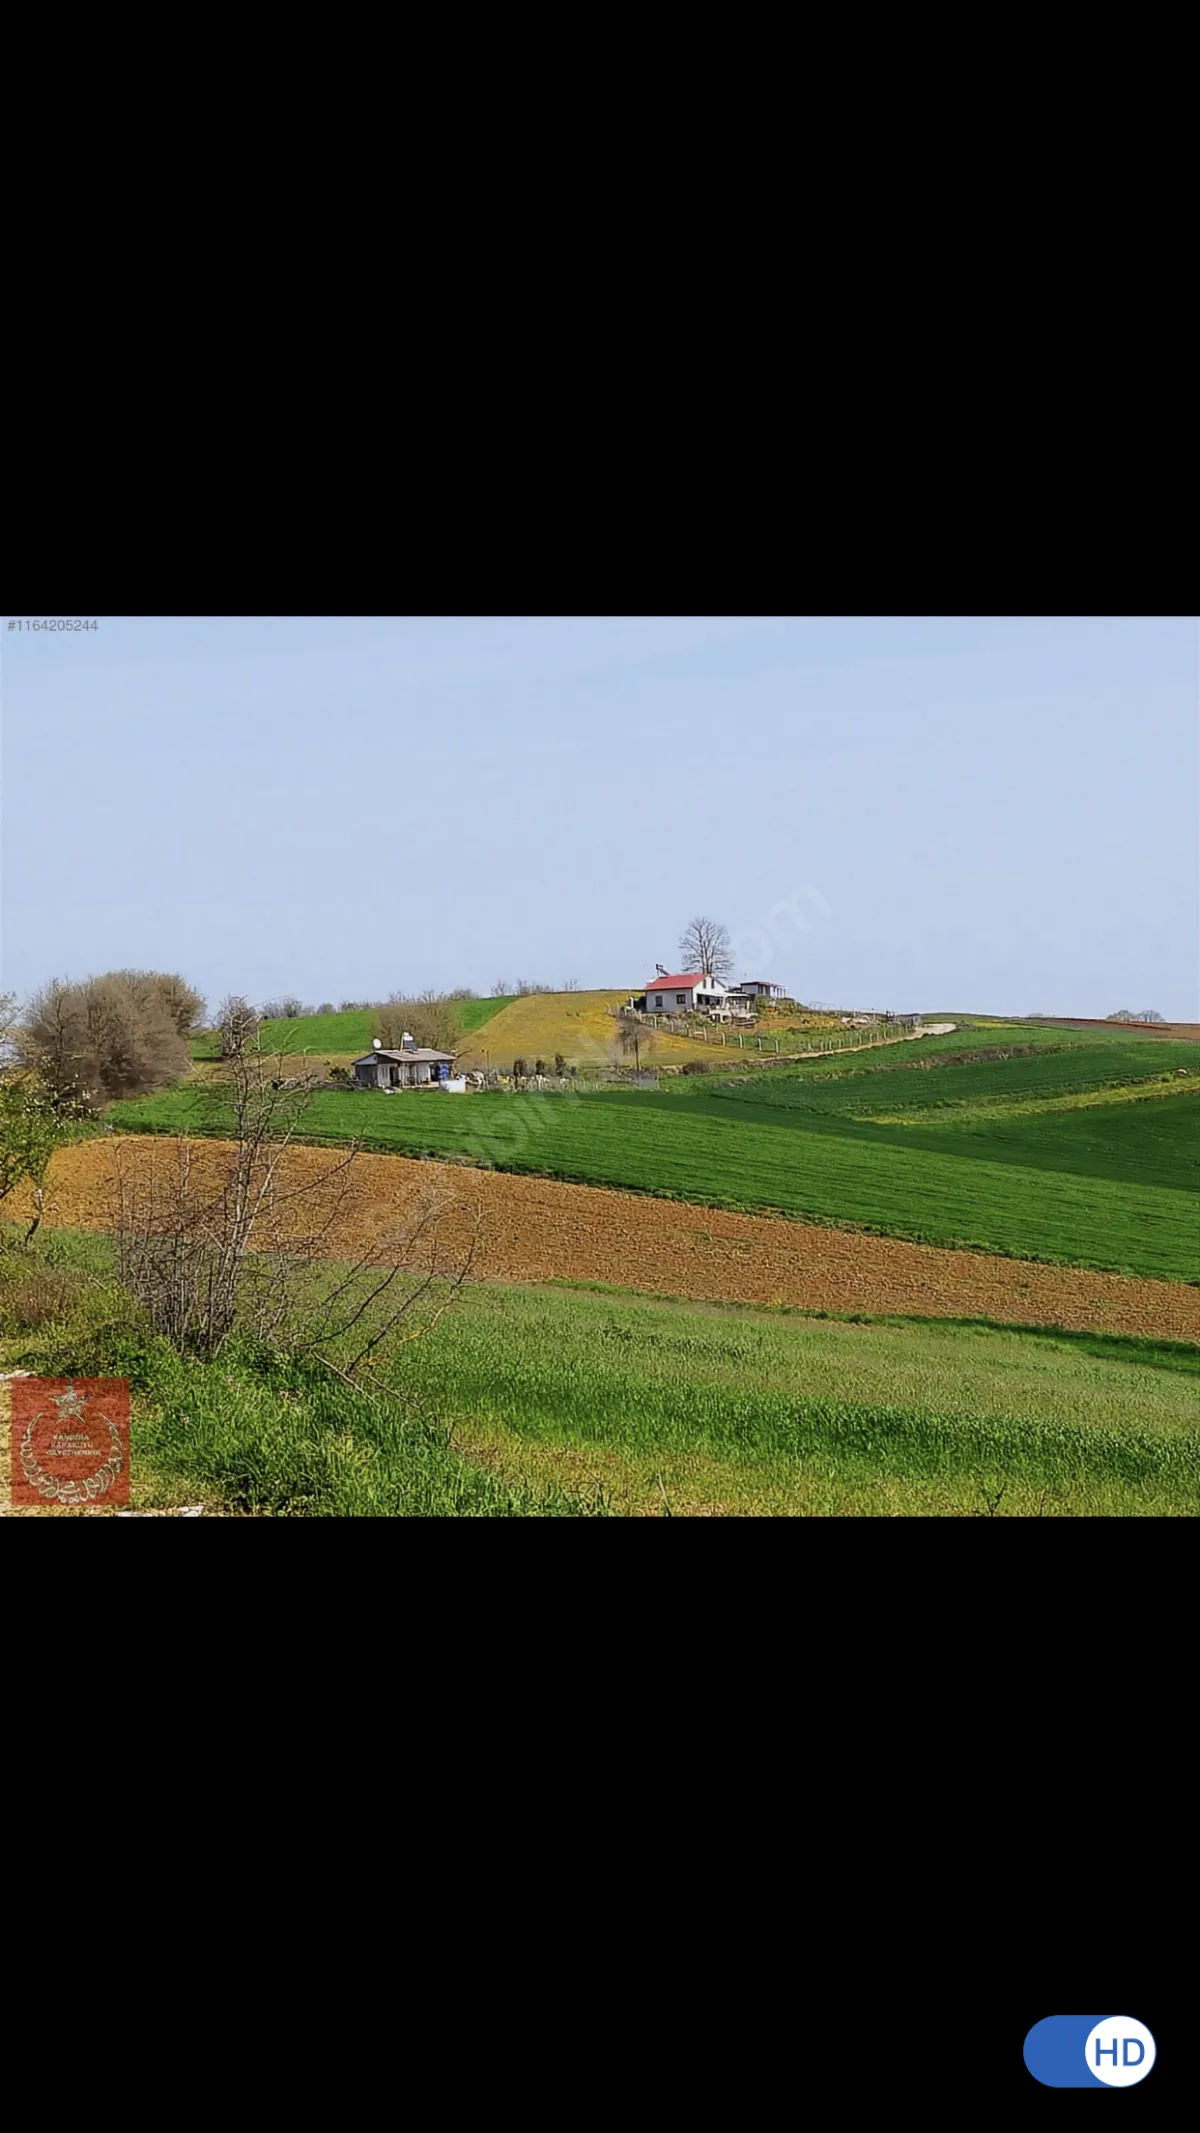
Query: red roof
[[689, 979]]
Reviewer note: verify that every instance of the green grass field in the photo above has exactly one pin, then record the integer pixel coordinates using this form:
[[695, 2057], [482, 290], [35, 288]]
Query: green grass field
[[1154, 1142], [750, 1411], [892, 1079], [343, 1035], [1110, 1186], [564, 1401]]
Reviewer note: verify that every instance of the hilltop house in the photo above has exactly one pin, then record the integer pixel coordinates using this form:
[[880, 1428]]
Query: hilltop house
[[414, 1066], [756, 989], [694, 992]]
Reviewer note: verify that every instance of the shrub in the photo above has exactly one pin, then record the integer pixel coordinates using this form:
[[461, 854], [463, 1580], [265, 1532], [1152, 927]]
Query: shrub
[[122, 1034], [34, 1295]]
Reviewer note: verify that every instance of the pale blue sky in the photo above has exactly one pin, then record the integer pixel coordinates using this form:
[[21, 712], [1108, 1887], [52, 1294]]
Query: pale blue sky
[[988, 814]]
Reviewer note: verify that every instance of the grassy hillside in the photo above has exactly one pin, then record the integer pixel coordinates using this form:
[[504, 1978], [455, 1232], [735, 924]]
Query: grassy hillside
[[708, 1408], [924, 1076], [251, 1434], [474, 1013], [523, 1401], [580, 1025], [956, 1189], [1154, 1141], [334, 1036], [337, 1038]]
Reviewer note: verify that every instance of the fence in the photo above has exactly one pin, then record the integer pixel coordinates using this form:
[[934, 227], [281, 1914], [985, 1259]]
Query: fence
[[873, 1029]]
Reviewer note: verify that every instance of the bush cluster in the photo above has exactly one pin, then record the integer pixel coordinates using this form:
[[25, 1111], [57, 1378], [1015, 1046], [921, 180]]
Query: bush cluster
[[121, 1034]]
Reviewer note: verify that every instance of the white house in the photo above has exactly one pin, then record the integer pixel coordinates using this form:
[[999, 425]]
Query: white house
[[756, 989], [693, 992]]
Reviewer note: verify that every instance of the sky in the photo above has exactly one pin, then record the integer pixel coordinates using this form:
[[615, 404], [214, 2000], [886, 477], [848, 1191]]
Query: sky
[[989, 815]]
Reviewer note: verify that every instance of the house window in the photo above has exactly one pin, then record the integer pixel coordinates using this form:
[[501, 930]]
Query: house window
[[681, 999]]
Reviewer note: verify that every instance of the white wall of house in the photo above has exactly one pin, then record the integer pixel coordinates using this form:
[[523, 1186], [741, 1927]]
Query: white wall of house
[[680, 1000]]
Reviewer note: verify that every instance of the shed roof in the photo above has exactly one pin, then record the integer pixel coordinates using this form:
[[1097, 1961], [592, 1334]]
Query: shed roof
[[419, 1051]]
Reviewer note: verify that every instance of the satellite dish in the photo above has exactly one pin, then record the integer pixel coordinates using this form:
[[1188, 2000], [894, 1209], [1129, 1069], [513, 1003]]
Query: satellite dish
[[378, 1043]]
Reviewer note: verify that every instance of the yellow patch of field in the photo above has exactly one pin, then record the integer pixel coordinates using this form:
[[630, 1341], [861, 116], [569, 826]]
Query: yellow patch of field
[[582, 1026]]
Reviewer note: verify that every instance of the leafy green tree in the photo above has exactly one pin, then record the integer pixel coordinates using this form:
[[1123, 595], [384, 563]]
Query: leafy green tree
[[34, 1121]]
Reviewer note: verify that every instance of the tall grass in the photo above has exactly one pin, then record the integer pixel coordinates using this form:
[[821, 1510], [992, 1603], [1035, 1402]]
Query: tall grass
[[796, 1403], [254, 1432], [556, 1402]]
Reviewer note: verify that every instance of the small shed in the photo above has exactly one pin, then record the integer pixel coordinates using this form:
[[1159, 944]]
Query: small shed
[[413, 1067]]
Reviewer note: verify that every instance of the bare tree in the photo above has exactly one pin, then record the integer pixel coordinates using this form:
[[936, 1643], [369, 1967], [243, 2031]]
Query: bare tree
[[8, 1026], [636, 1039], [434, 1019], [286, 1008], [219, 1235], [237, 1022], [705, 946]]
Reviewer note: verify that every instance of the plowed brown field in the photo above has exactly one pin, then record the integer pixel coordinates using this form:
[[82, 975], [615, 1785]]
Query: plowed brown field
[[535, 1229]]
